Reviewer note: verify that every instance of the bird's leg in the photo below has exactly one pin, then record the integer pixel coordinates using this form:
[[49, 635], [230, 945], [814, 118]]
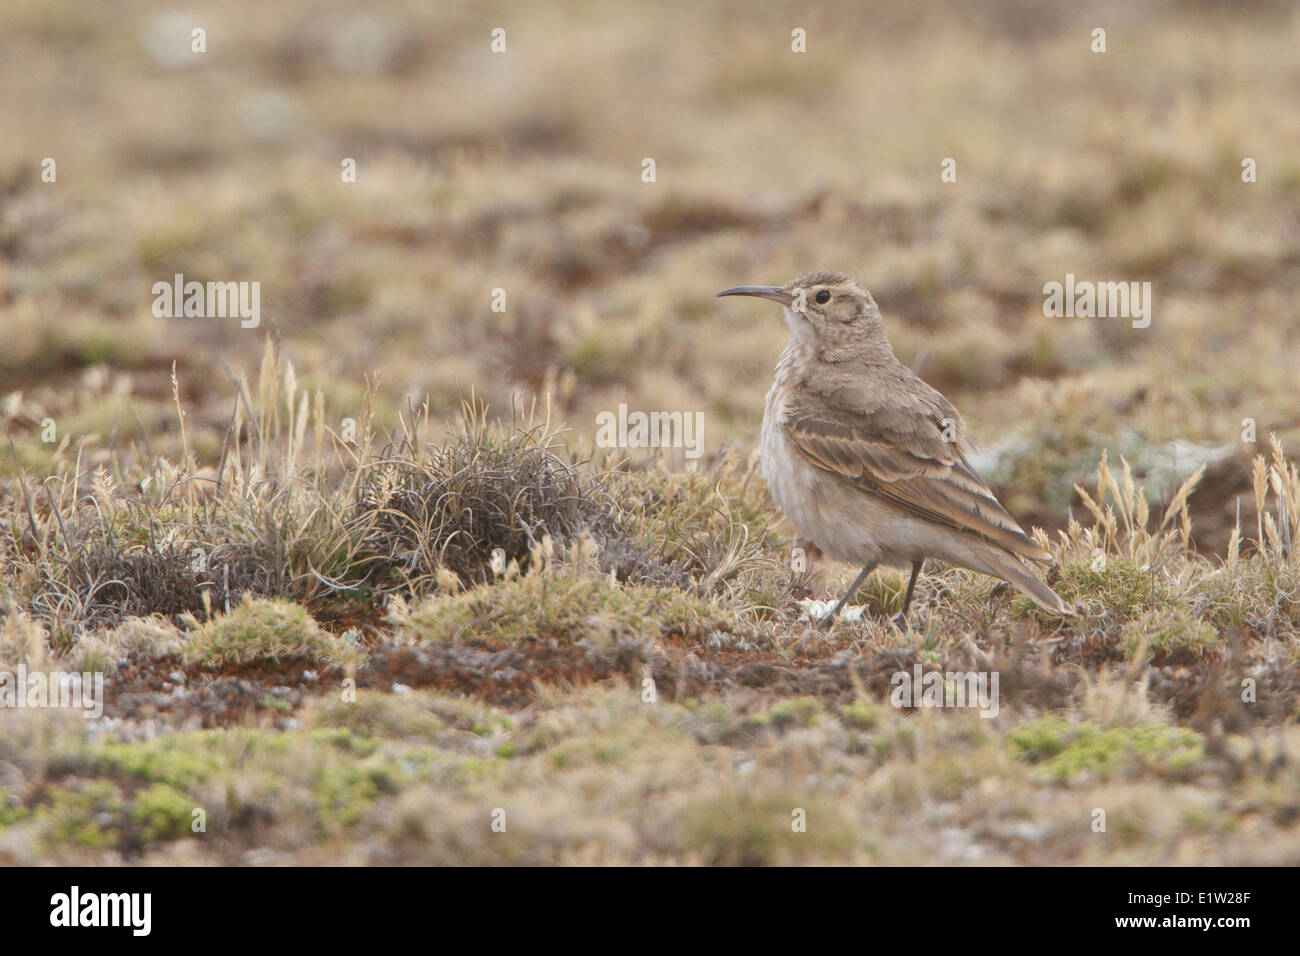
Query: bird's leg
[[901, 620], [830, 618]]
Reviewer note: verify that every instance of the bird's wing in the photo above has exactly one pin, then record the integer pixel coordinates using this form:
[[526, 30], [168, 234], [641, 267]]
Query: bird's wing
[[908, 450]]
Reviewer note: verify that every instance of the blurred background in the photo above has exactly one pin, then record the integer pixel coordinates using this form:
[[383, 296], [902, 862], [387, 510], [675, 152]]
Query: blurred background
[[522, 170]]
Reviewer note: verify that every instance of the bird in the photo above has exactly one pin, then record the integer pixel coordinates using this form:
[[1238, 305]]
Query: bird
[[871, 463]]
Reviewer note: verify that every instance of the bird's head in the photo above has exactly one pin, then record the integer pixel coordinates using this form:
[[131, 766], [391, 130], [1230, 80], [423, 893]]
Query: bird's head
[[826, 307]]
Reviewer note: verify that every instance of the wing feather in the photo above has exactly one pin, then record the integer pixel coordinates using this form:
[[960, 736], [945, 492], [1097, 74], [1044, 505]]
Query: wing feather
[[901, 452]]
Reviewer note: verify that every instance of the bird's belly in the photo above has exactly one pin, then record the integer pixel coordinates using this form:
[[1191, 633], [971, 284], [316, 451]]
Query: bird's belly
[[843, 521]]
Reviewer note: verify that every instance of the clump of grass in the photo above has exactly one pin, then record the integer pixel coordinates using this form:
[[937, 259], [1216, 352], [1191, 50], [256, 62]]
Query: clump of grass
[[1168, 635], [167, 539], [350, 528], [567, 600], [746, 828], [1065, 750], [1121, 567], [75, 817], [489, 495], [266, 631], [149, 536], [373, 714], [1262, 590], [151, 638], [1122, 516], [22, 638], [162, 812], [112, 581], [707, 530], [797, 712], [860, 715], [1108, 585]]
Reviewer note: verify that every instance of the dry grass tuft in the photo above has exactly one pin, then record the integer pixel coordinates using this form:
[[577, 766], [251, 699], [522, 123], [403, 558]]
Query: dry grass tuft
[[475, 506]]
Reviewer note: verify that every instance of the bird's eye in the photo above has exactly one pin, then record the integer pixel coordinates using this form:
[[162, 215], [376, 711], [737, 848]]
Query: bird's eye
[[823, 297]]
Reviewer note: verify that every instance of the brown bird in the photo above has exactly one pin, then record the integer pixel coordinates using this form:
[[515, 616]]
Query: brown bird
[[870, 462]]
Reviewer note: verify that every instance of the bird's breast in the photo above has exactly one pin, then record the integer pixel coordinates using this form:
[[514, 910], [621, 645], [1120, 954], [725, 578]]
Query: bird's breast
[[843, 520]]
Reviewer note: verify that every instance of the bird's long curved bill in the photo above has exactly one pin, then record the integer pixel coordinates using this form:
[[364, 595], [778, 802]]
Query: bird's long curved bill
[[772, 292]]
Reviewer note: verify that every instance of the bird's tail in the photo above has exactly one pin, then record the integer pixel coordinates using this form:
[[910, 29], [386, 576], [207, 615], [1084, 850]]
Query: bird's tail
[[999, 564]]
